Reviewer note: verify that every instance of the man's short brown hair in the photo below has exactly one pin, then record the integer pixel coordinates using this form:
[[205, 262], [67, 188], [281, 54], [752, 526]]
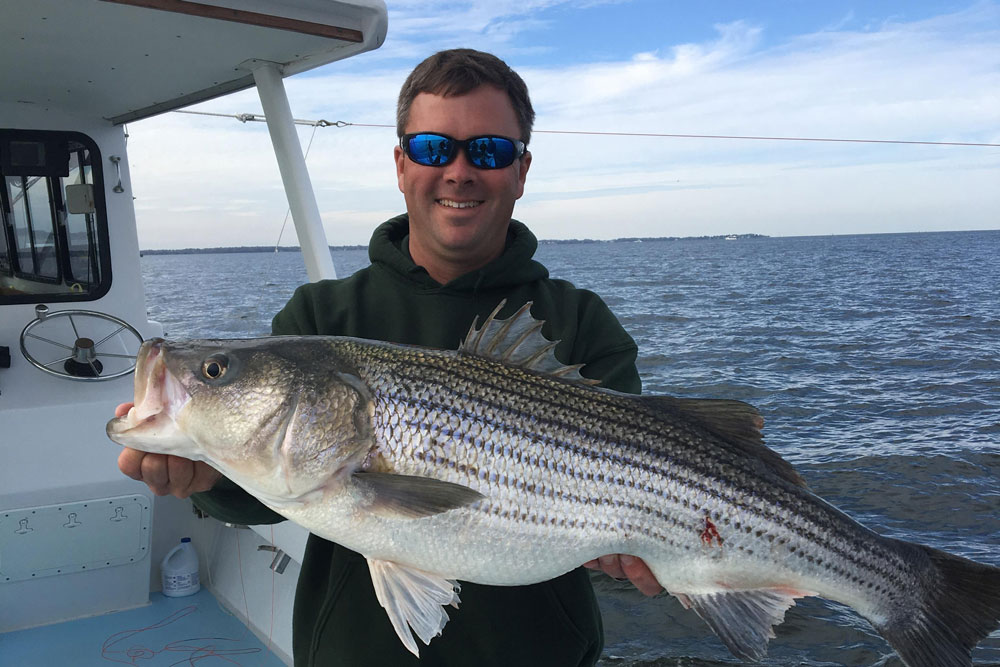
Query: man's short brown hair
[[460, 71]]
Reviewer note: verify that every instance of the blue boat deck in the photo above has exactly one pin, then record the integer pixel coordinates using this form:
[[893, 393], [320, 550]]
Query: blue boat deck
[[170, 631]]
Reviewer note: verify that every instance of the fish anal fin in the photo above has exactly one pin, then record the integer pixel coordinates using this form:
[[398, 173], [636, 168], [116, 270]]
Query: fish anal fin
[[413, 599], [736, 422], [518, 341], [411, 497], [743, 620]]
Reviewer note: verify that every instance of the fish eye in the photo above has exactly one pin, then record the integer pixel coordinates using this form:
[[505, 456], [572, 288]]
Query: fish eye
[[214, 367]]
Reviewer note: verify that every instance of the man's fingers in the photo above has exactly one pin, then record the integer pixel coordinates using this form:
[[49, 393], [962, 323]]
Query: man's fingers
[[167, 475], [640, 575], [205, 477], [612, 566], [180, 474], [155, 474], [123, 409], [130, 463], [622, 566]]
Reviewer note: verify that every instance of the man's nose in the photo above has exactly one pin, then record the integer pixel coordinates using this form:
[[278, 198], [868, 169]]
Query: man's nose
[[460, 170]]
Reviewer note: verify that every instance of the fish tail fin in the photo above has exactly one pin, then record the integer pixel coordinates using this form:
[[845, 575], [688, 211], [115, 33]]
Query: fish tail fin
[[960, 606]]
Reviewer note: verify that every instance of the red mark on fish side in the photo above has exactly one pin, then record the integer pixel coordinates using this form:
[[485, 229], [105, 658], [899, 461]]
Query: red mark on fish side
[[710, 533]]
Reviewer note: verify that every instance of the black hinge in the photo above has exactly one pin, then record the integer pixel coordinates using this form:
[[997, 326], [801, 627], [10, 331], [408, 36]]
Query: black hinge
[[4, 356]]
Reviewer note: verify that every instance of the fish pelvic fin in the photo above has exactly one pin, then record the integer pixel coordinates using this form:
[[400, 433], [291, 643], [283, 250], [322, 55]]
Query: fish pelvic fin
[[960, 607], [413, 599], [411, 497], [518, 341], [743, 620], [737, 423]]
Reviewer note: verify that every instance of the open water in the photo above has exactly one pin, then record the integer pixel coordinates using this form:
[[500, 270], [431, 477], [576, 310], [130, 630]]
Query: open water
[[874, 359]]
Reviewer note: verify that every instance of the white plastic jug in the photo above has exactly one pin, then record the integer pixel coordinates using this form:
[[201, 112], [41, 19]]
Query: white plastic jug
[[179, 570]]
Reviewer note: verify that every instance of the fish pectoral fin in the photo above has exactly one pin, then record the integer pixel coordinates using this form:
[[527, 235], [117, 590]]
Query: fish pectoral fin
[[412, 497], [413, 599], [743, 620]]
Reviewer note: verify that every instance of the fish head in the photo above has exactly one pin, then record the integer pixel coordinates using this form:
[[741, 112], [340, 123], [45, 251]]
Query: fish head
[[281, 416]]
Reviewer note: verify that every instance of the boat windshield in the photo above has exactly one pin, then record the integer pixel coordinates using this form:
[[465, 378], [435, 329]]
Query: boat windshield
[[54, 241]]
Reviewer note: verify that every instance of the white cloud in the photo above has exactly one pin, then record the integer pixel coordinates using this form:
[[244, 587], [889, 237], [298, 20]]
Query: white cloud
[[936, 79]]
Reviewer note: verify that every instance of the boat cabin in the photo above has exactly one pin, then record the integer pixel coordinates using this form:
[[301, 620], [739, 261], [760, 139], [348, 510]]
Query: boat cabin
[[77, 538]]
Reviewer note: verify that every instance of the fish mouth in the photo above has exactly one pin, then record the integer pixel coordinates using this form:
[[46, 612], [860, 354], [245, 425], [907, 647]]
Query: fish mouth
[[150, 423]]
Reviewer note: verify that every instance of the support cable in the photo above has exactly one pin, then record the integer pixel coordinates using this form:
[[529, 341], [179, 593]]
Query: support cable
[[251, 117]]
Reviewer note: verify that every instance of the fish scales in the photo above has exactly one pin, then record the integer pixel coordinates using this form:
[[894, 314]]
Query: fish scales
[[605, 456], [487, 465]]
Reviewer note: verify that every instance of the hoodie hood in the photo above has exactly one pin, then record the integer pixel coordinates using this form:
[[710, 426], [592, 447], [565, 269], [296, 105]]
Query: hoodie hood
[[389, 252]]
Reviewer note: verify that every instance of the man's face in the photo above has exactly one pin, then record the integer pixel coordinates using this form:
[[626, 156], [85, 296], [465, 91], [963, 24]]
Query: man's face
[[459, 214]]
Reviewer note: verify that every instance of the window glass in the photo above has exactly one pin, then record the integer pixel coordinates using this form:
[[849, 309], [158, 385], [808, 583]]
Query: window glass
[[81, 231], [6, 263], [47, 252], [42, 231]]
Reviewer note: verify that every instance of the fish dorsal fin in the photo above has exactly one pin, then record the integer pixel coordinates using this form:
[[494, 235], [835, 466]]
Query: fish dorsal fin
[[518, 341], [743, 620], [736, 422], [413, 599]]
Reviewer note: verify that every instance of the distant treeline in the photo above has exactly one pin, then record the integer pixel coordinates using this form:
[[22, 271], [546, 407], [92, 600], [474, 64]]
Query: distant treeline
[[295, 248], [641, 239], [241, 248]]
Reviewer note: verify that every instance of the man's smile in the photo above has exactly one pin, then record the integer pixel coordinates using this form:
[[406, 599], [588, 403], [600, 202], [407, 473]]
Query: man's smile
[[451, 203]]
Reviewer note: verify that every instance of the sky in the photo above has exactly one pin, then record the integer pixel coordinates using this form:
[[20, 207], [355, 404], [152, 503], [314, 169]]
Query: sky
[[907, 70]]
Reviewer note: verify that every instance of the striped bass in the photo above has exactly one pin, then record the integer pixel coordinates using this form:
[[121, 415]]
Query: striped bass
[[496, 464]]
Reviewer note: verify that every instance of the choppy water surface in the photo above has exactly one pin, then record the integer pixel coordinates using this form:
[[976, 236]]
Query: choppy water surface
[[874, 359]]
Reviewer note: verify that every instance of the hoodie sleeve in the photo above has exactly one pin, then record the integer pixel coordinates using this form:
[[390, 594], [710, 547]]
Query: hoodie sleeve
[[229, 503], [602, 343], [298, 317]]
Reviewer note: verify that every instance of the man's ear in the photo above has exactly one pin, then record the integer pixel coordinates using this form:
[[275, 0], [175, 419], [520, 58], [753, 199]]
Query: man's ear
[[400, 158], [522, 172]]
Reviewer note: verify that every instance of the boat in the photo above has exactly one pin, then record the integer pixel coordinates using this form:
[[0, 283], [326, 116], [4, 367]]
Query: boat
[[77, 538]]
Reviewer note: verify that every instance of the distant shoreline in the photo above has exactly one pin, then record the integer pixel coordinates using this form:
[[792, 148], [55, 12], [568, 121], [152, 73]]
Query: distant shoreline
[[253, 249]]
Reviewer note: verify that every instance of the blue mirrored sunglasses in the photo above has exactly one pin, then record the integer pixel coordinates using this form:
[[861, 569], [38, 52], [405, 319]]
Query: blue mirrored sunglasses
[[485, 152]]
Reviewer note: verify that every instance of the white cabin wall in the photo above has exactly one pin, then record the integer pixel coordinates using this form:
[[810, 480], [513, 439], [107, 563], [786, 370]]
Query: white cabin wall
[[53, 446]]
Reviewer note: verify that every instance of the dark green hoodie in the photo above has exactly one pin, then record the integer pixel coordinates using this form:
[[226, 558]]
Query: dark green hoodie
[[337, 619]]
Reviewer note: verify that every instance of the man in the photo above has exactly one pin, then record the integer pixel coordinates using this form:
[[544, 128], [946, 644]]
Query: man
[[464, 121]]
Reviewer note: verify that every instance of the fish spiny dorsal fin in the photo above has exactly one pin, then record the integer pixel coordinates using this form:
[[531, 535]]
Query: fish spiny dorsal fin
[[518, 341], [736, 422]]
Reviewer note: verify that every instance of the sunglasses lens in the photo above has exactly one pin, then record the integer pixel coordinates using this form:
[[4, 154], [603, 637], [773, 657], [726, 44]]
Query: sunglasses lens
[[486, 152], [429, 149], [491, 152]]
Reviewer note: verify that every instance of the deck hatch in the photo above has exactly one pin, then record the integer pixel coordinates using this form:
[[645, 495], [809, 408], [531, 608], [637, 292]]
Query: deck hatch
[[73, 537]]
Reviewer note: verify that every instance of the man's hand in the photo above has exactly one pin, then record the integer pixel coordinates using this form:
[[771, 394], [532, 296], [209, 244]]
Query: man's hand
[[622, 566], [165, 474]]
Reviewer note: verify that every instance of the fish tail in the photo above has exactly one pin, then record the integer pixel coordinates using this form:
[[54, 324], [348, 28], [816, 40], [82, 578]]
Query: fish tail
[[959, 606]]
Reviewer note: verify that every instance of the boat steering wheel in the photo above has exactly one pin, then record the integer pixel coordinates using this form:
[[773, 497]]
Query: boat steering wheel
[[83, 345]]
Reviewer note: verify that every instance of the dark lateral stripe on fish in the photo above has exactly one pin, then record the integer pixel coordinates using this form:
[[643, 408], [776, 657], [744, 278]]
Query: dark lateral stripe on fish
[[697, 479], [823, 539], [625, 528], [447, 374], [599, 452], [450, 375], [629, 430]]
